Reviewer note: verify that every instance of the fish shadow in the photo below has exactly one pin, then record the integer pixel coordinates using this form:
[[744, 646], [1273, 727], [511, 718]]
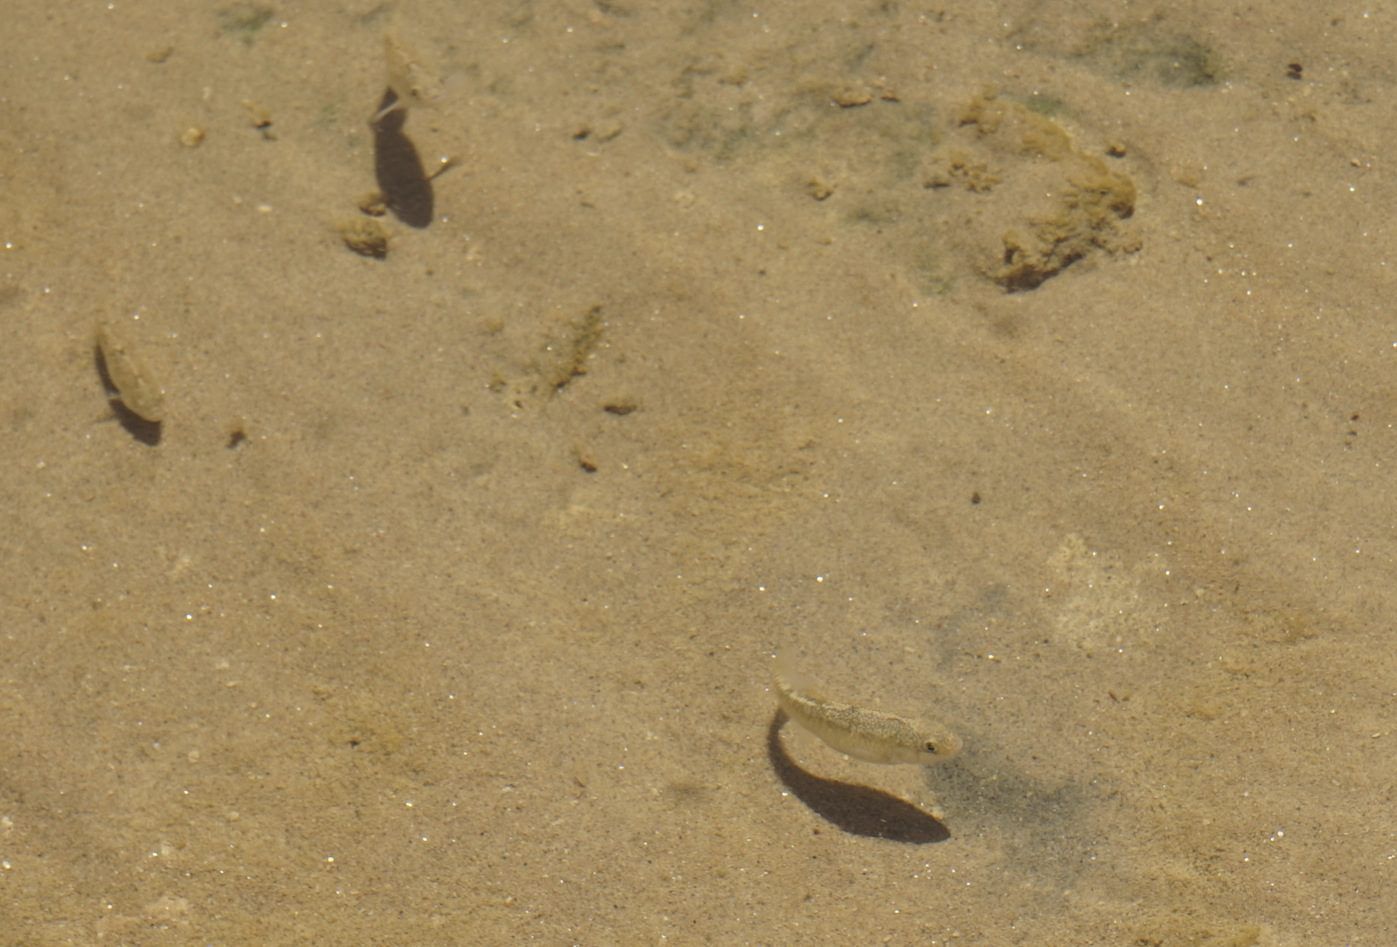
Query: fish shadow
[[858, 810], [406, 187]]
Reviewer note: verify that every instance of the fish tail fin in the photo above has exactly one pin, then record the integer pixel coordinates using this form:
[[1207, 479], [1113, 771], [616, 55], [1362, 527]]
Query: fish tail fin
[[783, 669]]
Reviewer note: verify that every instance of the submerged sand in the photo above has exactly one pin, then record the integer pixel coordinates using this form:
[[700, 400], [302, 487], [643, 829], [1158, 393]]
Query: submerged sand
[[1027, 366]]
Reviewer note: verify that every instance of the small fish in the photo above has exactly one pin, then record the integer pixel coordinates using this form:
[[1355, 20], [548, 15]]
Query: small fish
[[134, 384], [869, 735], [413, 84]]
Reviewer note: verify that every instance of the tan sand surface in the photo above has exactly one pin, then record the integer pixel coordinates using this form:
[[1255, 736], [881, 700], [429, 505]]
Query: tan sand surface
[[1030, 365]]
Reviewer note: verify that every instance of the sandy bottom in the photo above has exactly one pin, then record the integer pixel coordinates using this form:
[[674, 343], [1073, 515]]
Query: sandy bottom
[[1030, 367]]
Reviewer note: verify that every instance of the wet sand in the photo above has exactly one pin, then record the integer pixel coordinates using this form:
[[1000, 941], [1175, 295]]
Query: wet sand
[[1027, 367]]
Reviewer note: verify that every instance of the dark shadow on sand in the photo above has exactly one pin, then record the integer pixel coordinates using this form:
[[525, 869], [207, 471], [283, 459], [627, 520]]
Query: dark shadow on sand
[[406, 187]]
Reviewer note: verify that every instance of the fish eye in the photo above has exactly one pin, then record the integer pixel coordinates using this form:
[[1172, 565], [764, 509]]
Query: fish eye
[[931, 748]]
